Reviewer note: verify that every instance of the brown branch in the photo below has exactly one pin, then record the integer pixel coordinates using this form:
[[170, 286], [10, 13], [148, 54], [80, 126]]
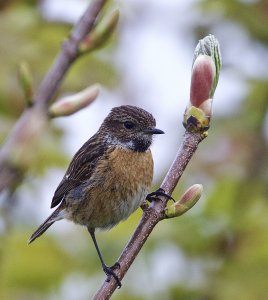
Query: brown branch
[[153, 214], [69, 53], [34, 118]]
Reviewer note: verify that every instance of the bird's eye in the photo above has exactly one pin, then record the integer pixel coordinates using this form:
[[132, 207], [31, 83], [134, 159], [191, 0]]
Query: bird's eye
[[129, 124]]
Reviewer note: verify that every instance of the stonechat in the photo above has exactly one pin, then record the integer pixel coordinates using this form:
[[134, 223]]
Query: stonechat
[[109, 177]]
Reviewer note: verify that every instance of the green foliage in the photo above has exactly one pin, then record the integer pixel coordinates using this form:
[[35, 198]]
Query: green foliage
[[38, 267], [252, 15], [49, 153]]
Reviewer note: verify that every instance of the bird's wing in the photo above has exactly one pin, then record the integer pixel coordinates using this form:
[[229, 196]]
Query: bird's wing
[[81, 168]]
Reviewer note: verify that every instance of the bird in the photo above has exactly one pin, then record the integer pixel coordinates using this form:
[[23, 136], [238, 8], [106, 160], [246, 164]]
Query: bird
[[108, 178]]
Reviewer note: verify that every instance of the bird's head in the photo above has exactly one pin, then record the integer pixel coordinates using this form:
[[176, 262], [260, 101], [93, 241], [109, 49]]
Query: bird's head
[[129, 127]]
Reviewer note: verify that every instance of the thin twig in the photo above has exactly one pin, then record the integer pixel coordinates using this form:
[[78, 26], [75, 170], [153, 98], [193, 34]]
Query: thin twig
[[69, 53], [10, 154], [153, 214]]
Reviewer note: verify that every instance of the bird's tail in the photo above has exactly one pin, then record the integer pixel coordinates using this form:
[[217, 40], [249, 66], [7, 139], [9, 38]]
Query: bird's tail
[[55, 216]]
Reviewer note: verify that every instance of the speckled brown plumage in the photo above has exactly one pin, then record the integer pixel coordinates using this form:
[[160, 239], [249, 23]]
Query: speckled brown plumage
[[110, 175]]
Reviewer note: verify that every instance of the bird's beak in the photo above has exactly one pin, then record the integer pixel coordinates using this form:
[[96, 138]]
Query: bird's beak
[[154, 131]]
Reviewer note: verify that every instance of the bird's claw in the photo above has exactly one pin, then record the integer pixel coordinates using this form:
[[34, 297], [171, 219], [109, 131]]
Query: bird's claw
[[160, 192], [109, 271]]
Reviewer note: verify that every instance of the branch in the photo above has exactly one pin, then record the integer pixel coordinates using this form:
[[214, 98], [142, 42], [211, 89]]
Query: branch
[[154, 213], [196, 123], [15, 154], [70, 51]]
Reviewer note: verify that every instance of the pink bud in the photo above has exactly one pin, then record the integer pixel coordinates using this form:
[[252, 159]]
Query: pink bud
[[192, 194], [203, 74], [206, 107]]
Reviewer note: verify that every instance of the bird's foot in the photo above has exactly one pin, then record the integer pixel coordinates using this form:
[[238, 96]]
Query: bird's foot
[[160, 192], [109, 271]]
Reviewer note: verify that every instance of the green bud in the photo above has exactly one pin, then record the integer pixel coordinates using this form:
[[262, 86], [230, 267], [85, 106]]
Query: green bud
[[26, 82], [71, 104], [100, 34], [209, 46], [187, 201]]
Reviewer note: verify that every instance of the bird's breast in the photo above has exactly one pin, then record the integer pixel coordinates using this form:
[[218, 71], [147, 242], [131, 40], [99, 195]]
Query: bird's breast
[[117, 188], [129, 180], [131, 168]]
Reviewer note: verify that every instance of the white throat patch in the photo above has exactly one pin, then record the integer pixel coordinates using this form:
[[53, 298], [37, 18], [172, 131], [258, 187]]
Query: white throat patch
[[114, 141]]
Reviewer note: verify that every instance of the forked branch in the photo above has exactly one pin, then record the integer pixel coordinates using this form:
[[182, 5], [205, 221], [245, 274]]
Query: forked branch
[[15, 154]]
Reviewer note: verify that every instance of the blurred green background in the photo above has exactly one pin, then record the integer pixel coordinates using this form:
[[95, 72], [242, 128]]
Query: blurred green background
[[219, 250]]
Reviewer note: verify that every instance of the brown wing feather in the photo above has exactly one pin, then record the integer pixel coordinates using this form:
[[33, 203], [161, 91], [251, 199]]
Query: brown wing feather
[[81, 167]]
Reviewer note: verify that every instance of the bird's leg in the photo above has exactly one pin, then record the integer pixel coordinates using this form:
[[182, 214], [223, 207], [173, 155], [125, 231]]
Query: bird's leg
[[107, 270], [160, 192]]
